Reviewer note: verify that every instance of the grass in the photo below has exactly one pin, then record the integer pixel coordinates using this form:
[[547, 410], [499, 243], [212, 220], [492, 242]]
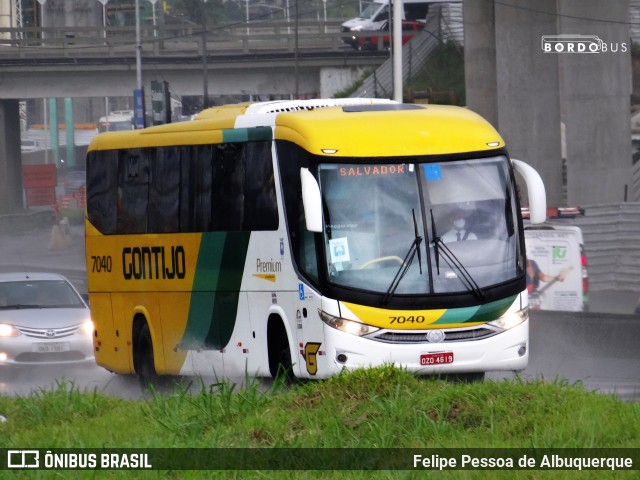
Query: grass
[[382, 408]]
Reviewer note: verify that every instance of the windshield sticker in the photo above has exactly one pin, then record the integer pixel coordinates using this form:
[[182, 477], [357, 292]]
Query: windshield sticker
[[339, 248], [432, 172], [367, 170]]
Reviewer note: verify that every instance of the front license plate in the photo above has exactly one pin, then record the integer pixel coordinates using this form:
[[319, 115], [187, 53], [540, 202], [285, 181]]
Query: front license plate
[[436, 358], [55, 347]]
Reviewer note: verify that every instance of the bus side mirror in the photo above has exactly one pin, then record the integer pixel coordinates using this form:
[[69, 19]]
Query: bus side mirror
[[535, 188], [311, 200]]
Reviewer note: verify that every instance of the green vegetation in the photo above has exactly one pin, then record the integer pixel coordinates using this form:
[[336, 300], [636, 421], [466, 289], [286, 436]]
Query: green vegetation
[[440, 81], [442, 77], [377, 408]]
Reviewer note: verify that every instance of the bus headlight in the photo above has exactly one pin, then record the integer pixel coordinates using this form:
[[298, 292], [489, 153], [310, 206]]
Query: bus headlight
[[348, 326], [511, 319]]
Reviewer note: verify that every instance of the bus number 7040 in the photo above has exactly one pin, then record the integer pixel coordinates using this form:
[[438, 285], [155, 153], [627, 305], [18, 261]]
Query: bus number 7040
[[101, 263], [409, 319]]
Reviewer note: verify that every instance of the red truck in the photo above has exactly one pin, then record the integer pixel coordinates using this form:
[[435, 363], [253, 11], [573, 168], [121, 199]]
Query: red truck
[[371, 42]]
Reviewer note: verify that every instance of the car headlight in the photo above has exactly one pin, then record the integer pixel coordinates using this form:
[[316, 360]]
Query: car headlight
[[87, 327], [348, 326], [7, 330], [357, 28], [511, 319]]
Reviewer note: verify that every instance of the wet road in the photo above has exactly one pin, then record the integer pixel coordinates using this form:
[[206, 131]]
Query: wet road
[[597, 349]]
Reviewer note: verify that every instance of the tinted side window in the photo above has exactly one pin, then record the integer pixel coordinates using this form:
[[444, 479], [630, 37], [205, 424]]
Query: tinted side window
[[228, 187], [225, 187], [303, 243], [102, 189], [133, 190], [260, 205], [164, 191]]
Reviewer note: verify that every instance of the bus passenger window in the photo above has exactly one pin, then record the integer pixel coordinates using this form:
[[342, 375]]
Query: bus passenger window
[[260, 205], [133, 192], [227, 188], [164, 192], [102, 189]]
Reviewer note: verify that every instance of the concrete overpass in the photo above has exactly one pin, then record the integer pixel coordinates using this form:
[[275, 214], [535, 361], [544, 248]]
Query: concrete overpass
[[527, 93], [269, 59], [278, 59]]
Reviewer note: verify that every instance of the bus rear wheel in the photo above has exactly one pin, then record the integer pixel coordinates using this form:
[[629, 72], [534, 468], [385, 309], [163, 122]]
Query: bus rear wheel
[[143, 353]]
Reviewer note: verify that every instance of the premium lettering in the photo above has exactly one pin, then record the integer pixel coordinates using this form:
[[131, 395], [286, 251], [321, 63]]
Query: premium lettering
[[268, 267], [153, 263]]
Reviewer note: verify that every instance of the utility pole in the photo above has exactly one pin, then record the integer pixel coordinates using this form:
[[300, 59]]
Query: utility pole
[[138, 48], [297, 89], [397, 50], [205, 74], [138, 100]]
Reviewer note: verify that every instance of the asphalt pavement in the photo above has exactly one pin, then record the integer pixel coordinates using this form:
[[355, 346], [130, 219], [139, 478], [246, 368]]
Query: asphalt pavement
[[46, 248], [42, 248]]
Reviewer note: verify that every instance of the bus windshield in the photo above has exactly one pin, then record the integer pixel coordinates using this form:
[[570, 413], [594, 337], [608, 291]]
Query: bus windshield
[[459, 214]]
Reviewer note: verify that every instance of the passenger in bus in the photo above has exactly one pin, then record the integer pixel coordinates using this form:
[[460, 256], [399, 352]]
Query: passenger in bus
[[458, 232]]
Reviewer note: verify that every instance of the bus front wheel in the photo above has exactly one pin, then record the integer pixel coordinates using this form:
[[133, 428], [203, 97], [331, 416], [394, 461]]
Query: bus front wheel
[[280, 364]]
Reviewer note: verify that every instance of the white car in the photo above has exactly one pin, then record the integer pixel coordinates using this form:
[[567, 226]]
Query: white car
[[43, 320], [28, 145]]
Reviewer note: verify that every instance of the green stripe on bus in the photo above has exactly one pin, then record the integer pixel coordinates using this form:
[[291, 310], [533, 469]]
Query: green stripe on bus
[[246, 134], [482, 313], [216, 289], [493, 310]]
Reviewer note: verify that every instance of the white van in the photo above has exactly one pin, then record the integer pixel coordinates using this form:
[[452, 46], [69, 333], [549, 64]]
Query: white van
[[557, 277], [376, 14], [116, 121]]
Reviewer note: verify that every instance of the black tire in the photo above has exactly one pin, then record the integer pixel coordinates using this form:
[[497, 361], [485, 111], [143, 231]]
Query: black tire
[[143, 355], [280, 363]]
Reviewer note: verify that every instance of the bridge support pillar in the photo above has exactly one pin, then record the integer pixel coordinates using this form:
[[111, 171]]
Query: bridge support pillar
[[514, 83], [528, 93], [595, 90], [10, 157]]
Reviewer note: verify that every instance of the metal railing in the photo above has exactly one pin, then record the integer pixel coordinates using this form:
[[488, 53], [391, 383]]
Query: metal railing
[[108, 41]]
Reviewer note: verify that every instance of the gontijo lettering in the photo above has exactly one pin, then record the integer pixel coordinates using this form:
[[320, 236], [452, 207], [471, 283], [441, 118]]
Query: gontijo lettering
[[148, 263]]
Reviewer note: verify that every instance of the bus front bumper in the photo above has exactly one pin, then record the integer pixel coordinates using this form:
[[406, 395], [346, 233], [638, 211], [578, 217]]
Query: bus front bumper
[[506, 351]]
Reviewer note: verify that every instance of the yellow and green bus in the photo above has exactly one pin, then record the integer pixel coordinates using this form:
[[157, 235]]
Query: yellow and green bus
[[309, 237]]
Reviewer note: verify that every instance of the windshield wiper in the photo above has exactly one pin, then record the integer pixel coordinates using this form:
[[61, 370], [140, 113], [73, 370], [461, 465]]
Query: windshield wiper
[[436, 241], [406, 263], [16, 306], [453, 262]]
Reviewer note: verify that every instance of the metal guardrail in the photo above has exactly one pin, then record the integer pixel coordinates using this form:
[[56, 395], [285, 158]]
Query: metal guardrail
[[611, 233], [79, 42]]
